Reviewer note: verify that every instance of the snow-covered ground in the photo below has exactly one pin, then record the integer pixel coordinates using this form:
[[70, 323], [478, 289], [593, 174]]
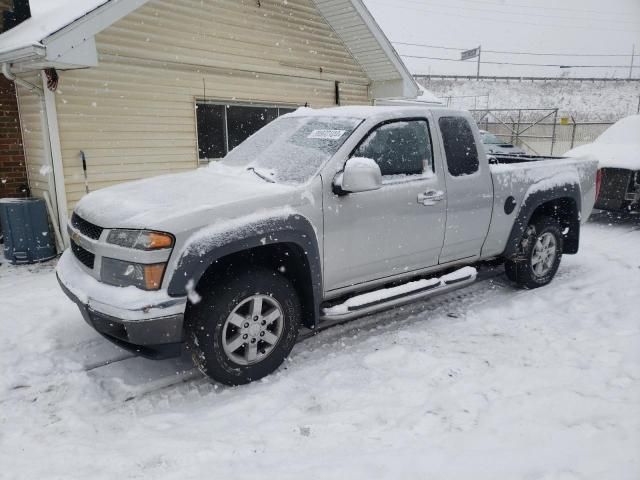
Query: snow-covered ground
[[485, 383], [585, 101]]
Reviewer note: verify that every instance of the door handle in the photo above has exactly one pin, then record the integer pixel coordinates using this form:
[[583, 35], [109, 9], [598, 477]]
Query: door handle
[[430, 197]]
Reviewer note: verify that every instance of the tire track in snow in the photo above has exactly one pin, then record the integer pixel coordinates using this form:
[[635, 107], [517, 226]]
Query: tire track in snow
[[193, 386], [126, 377]]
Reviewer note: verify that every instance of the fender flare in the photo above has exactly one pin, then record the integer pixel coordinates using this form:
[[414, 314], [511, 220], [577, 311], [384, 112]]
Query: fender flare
[[535, 199], [198, 256]]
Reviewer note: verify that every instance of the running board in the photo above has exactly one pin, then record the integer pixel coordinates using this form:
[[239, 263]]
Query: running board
[[384, 299]]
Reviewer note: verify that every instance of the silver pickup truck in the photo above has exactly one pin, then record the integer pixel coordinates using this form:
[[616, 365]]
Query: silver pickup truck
[[321, 216]]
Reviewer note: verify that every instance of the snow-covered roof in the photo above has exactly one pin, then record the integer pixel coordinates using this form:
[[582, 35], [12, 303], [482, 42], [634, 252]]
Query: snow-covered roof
[[617, 147], [61, 33], [47, 17], [425, 97], [626, 131], [39, 38]]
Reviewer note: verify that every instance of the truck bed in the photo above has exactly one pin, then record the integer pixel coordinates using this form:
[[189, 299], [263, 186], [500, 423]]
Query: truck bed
[[515, 177]]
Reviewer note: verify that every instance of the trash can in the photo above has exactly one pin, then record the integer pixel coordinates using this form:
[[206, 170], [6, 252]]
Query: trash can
[[25, 225]]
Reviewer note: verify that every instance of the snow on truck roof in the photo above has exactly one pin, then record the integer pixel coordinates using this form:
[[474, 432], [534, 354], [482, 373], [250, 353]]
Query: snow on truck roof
[[364, 111]]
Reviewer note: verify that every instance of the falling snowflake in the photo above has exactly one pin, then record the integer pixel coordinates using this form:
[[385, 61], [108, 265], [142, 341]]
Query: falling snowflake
[[192, 295]]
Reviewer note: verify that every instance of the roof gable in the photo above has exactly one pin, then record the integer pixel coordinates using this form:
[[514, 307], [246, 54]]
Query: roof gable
[[369, 46]]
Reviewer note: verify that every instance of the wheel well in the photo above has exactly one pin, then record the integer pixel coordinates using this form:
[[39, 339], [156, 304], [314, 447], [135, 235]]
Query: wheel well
[[565, 211], [288, 259]]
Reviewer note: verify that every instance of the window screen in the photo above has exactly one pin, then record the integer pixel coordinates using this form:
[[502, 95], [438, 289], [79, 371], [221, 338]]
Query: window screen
[[399, 148], [221, 128], [459, 146]]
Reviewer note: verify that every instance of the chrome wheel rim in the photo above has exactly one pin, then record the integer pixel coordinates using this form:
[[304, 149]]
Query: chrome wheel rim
[[544, 254], [252, 329]]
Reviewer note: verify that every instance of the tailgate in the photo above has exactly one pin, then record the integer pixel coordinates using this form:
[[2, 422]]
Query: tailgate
[[615, 184]]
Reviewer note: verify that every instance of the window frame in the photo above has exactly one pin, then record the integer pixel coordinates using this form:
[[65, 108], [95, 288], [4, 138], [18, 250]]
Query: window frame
[[408, 178], [199, 101]]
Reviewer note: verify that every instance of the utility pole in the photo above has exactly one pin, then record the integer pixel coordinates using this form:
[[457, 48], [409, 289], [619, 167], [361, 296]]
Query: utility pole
[[633, 53], [480, 51]]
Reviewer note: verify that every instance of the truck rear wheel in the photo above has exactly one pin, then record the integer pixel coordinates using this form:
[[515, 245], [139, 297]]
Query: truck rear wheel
[[244, 326], [539, 256]]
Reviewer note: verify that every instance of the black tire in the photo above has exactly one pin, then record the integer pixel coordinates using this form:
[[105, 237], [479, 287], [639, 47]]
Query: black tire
[[521, 269], [207, 336]]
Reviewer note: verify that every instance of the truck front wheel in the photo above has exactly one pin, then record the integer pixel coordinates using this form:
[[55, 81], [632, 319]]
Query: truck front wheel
[[244, 326], [539, 256]]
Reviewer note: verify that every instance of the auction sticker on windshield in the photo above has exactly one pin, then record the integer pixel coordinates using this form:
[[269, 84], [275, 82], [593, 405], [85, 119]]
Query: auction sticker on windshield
[[326, 134]]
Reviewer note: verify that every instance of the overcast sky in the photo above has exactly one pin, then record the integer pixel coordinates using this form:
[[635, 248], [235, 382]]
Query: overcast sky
[[532, 26]]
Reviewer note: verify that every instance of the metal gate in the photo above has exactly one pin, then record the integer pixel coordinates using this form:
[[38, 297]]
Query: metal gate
[[531, 128], [540, 131]]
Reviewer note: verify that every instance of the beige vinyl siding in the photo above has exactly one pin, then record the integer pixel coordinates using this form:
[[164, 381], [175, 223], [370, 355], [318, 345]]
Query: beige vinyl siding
[[38, 165], [134, 116]]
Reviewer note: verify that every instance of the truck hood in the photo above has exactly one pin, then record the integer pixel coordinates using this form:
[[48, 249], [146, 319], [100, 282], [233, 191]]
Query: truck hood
[[155, 202]]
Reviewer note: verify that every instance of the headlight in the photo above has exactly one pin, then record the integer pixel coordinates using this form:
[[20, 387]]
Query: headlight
[[125, 274], [140, 239]]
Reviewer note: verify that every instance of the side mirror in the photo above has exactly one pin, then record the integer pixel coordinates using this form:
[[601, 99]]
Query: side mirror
[[359, 175]]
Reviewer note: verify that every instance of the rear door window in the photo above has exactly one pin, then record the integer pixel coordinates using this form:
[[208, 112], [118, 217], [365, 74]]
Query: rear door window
[[459, 146], [399, 148]]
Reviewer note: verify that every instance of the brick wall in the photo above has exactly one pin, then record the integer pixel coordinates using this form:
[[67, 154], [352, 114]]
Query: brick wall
[[13, 173]]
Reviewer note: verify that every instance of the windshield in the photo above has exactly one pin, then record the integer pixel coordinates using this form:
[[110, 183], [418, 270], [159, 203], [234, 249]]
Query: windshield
[[490, 139], [291, 149]]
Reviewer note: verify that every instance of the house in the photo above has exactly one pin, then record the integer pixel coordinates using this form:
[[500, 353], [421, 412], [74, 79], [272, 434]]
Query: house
[[136, 88]]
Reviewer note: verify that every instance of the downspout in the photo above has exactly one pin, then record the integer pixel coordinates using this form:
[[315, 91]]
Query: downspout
[[6, 71], [46, 137]]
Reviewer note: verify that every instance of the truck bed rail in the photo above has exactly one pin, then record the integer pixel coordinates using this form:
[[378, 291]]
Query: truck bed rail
[[507, 158]]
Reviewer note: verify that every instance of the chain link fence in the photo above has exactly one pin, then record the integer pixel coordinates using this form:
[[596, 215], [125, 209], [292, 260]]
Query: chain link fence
[[538, 131]]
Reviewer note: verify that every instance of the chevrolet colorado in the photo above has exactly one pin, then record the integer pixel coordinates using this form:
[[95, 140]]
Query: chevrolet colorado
[[321, 216]]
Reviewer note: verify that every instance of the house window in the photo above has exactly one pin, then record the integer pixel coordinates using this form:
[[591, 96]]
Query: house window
[[221, 128]]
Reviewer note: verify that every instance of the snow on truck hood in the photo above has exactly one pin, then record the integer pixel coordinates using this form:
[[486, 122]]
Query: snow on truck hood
[[151, 202], [617, 147]]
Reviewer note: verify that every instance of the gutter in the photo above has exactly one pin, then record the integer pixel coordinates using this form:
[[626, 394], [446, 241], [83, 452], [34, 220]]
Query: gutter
[[32, 52], [47, 128]]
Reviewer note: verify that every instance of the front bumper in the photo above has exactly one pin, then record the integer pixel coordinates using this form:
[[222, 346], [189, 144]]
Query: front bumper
[[147, 323]]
